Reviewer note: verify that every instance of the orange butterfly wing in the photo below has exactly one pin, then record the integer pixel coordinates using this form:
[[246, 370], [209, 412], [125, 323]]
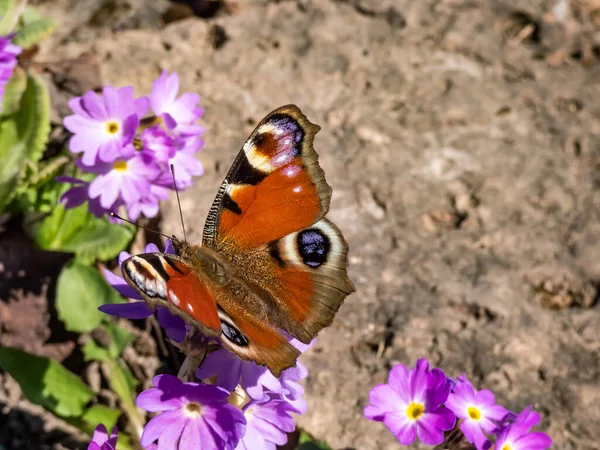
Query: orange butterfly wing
[[274, 187], [268, 221]]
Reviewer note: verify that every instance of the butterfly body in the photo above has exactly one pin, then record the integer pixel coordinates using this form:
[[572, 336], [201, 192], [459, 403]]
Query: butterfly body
[[269, 261]]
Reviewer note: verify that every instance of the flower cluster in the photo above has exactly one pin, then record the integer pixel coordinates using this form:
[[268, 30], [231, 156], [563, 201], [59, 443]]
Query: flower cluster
[[234, 404], [8, 62], [423, 403], [129, 153]]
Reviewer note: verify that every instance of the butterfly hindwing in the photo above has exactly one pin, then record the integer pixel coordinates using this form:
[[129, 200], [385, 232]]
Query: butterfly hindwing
[[165, 280], [248, 332], [311, 268]]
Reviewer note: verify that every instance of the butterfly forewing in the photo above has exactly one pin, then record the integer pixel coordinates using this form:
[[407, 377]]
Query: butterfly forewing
[[164, 280], [274, 187]]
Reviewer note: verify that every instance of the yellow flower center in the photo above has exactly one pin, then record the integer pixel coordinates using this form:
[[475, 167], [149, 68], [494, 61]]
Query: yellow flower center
[[120, 166], [112, 127], [506, 447], [415, 410], [192, 410], [474, 413]]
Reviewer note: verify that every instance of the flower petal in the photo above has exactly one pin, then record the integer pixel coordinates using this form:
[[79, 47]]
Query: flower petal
[[173, 325], [133, 310], [192, 437], [403, 430], [168, 422], [398, 381], [428, 431], [121, 286], [383, 399], [155, 400], [535, 441]]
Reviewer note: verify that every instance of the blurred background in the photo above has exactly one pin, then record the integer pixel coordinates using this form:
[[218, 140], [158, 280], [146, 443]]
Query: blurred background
[[461, 139]]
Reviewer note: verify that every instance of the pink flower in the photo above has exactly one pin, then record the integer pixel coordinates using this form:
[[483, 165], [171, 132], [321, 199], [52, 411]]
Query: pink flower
[[128, 177], [103, 125], [518, 436], [192, 416], [477, 410], [180, 113], [267, 425], [410, 404]]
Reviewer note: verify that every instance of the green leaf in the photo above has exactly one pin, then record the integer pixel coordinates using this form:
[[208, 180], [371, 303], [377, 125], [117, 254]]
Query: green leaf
[[79, 292], [13, 91], [76, 230], [46, 382], [56, 230], [9, 14], [6, 6], [124, 442], [29, 14], [47, 171], [93, 352], [307, 442], [100, 239], [23, 136], [38, 191], [34, 32], [119, 338], [97, 414]]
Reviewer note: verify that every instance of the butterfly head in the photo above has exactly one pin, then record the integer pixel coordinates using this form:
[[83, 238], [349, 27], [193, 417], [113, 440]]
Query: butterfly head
[[205, 262], [179, 247]]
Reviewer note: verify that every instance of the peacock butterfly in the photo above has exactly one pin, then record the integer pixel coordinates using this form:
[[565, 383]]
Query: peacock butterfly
[[269, 259]]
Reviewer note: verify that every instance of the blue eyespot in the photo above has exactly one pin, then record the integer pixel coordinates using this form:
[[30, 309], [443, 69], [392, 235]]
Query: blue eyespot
[[313, 247]]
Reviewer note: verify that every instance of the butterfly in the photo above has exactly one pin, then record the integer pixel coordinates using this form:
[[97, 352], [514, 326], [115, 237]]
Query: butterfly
[[269, 263]]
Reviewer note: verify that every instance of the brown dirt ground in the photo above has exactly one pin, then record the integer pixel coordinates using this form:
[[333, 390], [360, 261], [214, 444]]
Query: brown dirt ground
[[461, 138]]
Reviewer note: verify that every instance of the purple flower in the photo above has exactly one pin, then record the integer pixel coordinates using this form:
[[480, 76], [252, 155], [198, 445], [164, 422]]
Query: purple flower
[[133, 156], [158, 143], [477, 410], [186, 166], [193, 416], [180, 113], [267, 425], [147, 204], [102, 441], [295, 392], [103, 125], [127, 178], [79, 194], [174, 325], [256, 380], [410, 405], [8, 61], [518, 436]]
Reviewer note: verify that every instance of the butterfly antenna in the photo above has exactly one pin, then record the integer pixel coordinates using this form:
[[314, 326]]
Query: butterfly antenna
[[138, 226], [178, 202]]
